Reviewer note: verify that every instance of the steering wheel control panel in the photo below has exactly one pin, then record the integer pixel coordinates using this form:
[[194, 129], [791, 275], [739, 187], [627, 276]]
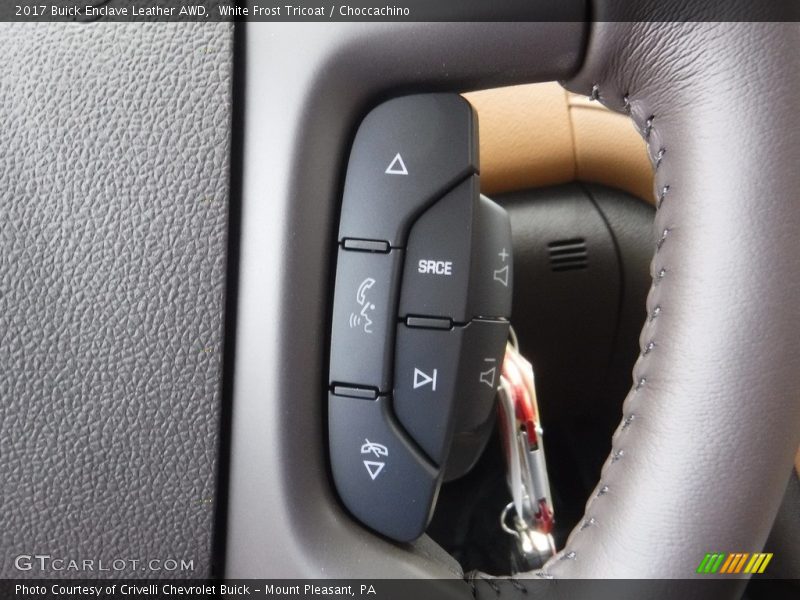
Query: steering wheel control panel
[[420, 315]]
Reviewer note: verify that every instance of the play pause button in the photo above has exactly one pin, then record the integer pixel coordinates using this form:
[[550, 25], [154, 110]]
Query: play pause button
[[421, 378], [424, 384]]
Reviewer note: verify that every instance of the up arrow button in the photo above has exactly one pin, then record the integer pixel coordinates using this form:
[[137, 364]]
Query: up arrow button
[[397, 166], [407, 153]]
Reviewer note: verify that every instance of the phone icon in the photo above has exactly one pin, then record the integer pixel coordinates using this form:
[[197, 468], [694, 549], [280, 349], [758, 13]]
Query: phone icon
[[371, 447], [362, 318]]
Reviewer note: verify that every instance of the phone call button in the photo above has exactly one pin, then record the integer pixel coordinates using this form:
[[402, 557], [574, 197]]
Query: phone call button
[[380, 476], [364, 309]]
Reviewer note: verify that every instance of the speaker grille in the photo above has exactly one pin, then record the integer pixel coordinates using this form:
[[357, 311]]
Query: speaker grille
[[568, 255]]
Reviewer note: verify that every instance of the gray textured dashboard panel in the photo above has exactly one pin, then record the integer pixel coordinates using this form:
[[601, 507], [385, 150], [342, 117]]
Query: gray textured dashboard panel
[[114, 160]]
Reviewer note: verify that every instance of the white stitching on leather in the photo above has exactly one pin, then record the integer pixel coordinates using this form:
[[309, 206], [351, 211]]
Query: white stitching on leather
[[661, 196], [662, 239], [659, 156], [641, 380], [648, 128]]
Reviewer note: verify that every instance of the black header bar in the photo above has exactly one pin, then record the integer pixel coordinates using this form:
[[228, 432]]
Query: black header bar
[[396, 10]]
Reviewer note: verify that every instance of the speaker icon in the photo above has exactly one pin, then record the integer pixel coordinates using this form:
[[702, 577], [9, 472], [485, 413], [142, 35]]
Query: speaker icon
[[501, 276], [489, 375]]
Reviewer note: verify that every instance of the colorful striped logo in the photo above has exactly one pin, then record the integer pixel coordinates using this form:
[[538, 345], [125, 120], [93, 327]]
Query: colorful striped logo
[[732, 563]]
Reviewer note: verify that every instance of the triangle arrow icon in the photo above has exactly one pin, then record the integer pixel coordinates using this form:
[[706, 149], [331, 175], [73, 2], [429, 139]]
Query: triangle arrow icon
[[374, 468], [421, 378], [397, 166]]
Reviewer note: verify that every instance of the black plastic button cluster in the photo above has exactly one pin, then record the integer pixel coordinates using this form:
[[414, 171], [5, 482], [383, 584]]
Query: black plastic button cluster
[[423, 293]]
